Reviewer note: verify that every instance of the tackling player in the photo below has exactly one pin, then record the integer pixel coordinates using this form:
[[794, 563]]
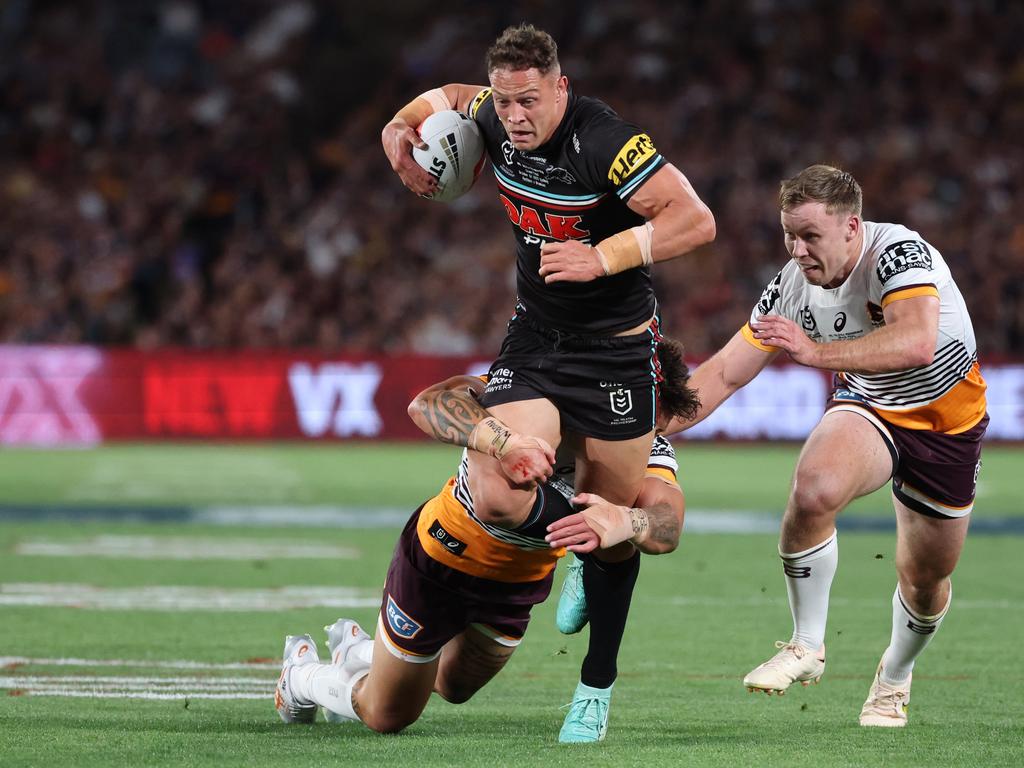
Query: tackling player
[[459, 591], [592, 205], [877, 304]]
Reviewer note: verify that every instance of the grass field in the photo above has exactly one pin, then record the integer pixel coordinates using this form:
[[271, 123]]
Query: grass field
[[130, 642]]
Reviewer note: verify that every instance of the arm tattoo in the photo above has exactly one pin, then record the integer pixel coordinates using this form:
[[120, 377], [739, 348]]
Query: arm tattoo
[[452, 415], [664, 524], [639, 519]]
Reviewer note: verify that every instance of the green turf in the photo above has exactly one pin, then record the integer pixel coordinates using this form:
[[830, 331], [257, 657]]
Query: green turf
[[744, 477], [702, 617]]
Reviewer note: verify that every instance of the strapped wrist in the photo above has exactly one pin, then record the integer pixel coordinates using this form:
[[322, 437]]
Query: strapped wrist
[[490, 436], [415, 112], [627, 249]]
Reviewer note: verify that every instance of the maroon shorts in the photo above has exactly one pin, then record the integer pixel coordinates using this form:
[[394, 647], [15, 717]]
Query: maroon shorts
[[426, 603], [933, 473]]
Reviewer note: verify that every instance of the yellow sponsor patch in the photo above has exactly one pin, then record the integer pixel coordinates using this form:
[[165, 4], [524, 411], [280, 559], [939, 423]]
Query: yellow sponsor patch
[[478, 102], [632, 155]]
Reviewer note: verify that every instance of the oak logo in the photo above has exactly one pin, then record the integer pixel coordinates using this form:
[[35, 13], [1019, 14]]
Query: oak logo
[[632, 155], [552, 226]]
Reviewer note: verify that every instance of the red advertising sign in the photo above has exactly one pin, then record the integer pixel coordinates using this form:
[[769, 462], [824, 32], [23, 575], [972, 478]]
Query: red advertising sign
[[85, 395]]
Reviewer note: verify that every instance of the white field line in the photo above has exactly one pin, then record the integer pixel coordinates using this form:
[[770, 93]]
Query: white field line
[[19, 661], [119, 682], [146, 687], [184, 548], [184, 598], [732, 602], [79, 694]]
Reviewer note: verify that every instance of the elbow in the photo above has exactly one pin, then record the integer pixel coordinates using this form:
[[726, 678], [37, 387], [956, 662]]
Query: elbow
[[416, 411], [922, 353], [707, 228]]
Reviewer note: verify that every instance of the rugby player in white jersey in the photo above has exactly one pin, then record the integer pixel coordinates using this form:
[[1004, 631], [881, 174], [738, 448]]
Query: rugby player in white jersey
[[459, 591], [876, 304]]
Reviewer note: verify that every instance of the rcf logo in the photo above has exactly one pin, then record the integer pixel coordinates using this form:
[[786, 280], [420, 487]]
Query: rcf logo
[[632, 155], [400, 622], [552, 226], [39, 398]]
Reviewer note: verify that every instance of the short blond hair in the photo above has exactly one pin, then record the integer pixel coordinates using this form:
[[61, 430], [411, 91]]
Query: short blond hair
[[837, 189]]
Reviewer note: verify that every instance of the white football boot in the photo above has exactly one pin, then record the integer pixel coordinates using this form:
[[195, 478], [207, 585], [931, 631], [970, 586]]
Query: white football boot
[[342, 636], [887, 704], [792, 664], [299, 650]]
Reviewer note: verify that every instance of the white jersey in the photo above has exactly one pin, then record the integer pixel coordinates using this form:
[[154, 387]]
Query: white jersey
[[948, 394]]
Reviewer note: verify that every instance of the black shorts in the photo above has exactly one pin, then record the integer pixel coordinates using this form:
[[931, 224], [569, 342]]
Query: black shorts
[[934, 474], [426, 603], [604, 387]]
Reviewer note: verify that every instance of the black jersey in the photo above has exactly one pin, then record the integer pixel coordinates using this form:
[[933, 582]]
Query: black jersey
[[574, 187]]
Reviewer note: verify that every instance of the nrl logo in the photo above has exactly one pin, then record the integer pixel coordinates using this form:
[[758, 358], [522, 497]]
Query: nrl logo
[[622, 401]]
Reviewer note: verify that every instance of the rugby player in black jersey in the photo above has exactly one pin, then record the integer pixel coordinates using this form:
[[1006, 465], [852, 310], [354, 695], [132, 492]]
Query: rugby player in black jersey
[[458, 593], [592, 204]]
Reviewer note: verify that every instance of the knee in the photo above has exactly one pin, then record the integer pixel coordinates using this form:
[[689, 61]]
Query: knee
[[814, 495], [921, 583], [383, 721], [454, 692]]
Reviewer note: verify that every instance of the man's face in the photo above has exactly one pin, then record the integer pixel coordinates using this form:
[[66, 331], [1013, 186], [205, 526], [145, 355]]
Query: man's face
[[825, 246], [529, 104]]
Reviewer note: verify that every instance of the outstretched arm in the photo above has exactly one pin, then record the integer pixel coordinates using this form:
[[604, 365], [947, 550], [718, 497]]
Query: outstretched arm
[[732, 367], [907, 340], [653, 526], [450, 413]]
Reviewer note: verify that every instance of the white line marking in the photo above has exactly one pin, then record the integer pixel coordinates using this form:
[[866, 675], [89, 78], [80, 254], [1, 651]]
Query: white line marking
[[184, 548], [76, 694], [959, 603], [139, 682], [185, 598], [10, 661]]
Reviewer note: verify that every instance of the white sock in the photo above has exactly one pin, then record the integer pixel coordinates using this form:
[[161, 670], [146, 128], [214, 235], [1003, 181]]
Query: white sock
[[808, 581], [328, 685], [910, 634], [363, 652]]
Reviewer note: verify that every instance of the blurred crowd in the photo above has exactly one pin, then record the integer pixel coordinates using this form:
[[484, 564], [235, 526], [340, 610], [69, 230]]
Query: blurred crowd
[[209, 174]]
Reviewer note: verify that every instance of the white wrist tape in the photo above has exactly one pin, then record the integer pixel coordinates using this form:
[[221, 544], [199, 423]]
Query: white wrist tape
[[615, 524], [627, 249], [490, 436], [437, 99]]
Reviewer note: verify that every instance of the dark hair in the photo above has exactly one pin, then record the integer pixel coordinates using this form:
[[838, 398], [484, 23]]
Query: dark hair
[[674, 396], [837, 189], [523, 47]]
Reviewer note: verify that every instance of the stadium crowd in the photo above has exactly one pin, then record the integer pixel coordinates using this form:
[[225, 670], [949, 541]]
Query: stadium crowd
[[210, 174]]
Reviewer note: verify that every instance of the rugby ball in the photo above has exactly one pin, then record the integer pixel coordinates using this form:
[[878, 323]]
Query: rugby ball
[[454, 154]]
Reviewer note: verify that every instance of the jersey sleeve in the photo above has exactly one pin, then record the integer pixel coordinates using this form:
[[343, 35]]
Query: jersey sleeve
[[662, 463], [620, 156], [906, 268], [770, 303]]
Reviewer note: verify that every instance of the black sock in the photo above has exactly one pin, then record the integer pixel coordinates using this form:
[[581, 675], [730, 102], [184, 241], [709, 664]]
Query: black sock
[[609, 589], [549, 506]]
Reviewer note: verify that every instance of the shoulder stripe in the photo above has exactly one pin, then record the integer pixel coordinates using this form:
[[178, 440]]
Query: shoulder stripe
[[629, 188], [478, 101], [909, 292], [748, 335]]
